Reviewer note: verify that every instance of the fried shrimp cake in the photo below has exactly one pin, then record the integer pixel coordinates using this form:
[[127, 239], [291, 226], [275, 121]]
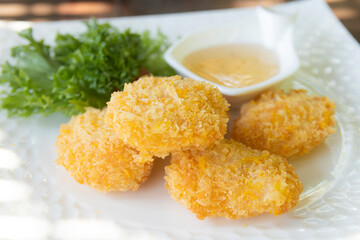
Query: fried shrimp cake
[[94, 155], [233, 181], [170, 114], [289, 124]]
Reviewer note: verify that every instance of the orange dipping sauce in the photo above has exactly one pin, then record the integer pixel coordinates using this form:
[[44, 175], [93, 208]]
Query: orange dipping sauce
[[233, 65]]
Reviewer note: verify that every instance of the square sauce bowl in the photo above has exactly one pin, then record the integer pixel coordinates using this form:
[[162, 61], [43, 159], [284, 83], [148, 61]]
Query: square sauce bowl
[[273, 31]]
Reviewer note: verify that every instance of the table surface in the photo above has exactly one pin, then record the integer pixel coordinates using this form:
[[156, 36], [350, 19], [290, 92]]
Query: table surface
[[348, 11]]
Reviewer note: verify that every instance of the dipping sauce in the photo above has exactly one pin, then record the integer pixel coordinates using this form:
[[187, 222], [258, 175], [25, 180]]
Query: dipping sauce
[[233, 65]]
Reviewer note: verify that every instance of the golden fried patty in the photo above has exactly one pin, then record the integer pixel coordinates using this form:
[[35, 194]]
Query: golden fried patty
[[164, 115], [233, 181], [94, 155], [289, 124]]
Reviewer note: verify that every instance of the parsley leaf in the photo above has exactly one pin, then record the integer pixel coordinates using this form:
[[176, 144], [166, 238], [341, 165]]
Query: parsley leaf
[[78, 71]]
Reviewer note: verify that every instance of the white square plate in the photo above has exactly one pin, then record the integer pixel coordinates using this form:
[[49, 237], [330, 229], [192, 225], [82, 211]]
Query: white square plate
[[39, 200]]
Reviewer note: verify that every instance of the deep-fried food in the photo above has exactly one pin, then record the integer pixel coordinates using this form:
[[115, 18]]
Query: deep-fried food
[[94, 155], [286, 124], [233, 181], [165, 115]]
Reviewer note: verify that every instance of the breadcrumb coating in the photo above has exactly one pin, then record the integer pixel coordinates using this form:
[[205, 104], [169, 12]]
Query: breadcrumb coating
[[233, 181], [289, 124], [94, 155], [170, 114]]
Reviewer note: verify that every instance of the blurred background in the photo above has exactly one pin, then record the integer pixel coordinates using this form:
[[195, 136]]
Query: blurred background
[[348, 11]]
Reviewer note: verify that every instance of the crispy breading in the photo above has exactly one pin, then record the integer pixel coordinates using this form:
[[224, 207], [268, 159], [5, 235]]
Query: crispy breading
[[170, 114], [233, 181], [289, 124], [94, 155]]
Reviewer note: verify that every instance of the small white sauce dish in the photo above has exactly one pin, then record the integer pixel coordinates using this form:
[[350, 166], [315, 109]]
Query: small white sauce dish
[[273, 30]]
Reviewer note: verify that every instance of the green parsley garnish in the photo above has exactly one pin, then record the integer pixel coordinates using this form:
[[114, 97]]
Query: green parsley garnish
[[78, 71]]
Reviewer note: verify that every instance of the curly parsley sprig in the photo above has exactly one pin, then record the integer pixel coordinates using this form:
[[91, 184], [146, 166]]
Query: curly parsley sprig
[[78, 71]]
